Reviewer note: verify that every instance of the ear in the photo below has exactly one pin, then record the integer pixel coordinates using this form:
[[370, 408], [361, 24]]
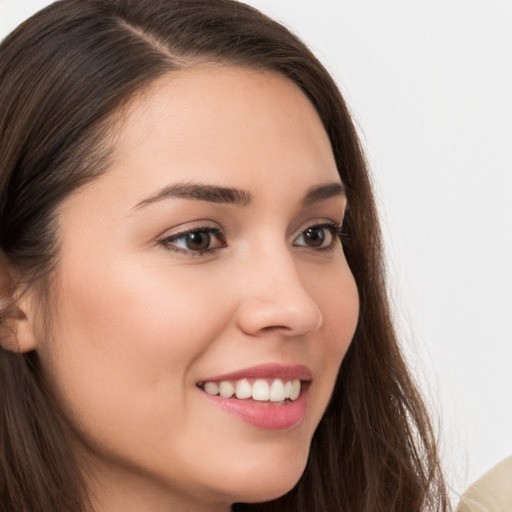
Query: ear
[[17, 333]]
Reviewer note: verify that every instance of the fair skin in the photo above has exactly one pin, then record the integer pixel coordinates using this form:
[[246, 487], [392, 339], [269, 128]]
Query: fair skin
[[142, 323]]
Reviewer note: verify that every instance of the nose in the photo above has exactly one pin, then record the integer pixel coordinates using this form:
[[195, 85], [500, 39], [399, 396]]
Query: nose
[[274, 298]]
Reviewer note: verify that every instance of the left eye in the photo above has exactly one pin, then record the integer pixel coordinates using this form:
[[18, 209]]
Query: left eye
[[195, 241], [322, 236]]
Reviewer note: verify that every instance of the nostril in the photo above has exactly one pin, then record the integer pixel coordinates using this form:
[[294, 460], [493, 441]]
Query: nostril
[[272, 328]]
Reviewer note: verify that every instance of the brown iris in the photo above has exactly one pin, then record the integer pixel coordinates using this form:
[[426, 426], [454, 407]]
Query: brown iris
[[198, 241], [314, 237]]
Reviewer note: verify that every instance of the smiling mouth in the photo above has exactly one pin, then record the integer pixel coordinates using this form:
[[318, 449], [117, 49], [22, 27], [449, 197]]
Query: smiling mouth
[[271, 391]]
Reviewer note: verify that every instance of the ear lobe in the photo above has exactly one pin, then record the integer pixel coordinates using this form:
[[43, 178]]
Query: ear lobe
[[24, 337], [17, 332]]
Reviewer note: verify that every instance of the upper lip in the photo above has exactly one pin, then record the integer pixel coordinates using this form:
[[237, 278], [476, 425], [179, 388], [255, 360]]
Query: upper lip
[[266, 371]]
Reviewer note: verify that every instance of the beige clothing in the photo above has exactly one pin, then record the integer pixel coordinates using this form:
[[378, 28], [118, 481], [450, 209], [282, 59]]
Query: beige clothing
[[492, 492]]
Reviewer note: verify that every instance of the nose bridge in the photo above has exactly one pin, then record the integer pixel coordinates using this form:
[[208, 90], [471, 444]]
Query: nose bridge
[[275, 296]]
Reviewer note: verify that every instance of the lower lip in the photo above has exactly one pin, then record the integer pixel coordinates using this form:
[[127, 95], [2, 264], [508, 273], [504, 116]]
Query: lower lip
[[264, 415]]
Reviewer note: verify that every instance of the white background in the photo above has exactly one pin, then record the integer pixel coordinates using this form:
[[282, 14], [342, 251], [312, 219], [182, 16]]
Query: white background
[[430, 86]]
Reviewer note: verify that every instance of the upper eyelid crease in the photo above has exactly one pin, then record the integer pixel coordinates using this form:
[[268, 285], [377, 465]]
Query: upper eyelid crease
[[202, 225], [200, 229], [234, 196]]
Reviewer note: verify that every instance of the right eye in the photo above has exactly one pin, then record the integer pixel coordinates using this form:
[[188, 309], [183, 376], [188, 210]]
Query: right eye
[[197, 241]]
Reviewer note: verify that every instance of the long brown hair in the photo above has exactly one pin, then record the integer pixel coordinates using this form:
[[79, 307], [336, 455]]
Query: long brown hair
[[64, 76]]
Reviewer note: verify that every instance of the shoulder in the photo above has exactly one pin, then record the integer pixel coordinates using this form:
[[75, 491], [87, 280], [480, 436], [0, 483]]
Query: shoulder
[[492, 492]]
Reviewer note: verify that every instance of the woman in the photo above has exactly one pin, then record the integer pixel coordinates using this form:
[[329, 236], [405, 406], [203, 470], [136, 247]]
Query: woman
[[175, 186]]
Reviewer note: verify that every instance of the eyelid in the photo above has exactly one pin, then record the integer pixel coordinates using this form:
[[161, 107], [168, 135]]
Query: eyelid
[[334, 227], [188, 227], [196, 227], [320, 222]]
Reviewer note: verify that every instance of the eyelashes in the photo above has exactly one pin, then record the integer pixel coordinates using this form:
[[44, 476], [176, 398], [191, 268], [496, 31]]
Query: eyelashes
[[319, 236], [197, 241], [205, 240]]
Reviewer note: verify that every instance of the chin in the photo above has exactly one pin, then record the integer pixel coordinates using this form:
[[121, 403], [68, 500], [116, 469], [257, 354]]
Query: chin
[[268, 484]]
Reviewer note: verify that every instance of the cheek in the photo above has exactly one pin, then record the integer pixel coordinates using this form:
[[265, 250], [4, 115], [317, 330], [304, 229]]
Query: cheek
[[342, 315], [136, 308], [338, 301], [129, 331]]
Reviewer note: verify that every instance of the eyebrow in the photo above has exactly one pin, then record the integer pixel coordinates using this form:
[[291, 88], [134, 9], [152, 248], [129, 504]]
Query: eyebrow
[[234, 196], [323, 192], [201, 192]]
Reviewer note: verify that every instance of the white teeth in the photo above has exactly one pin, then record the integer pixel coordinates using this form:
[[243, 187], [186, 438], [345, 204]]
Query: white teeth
[[295, 391], [287, 389], [277, 393], [261, 390], [212, 388], [243, 389], [226, 389]]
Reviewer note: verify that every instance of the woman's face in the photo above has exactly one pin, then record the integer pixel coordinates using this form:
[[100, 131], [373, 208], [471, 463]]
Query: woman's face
[[206, 257]]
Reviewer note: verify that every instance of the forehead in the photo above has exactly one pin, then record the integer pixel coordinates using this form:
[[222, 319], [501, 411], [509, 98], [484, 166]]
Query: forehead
[[212, 105], [226, 126]]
